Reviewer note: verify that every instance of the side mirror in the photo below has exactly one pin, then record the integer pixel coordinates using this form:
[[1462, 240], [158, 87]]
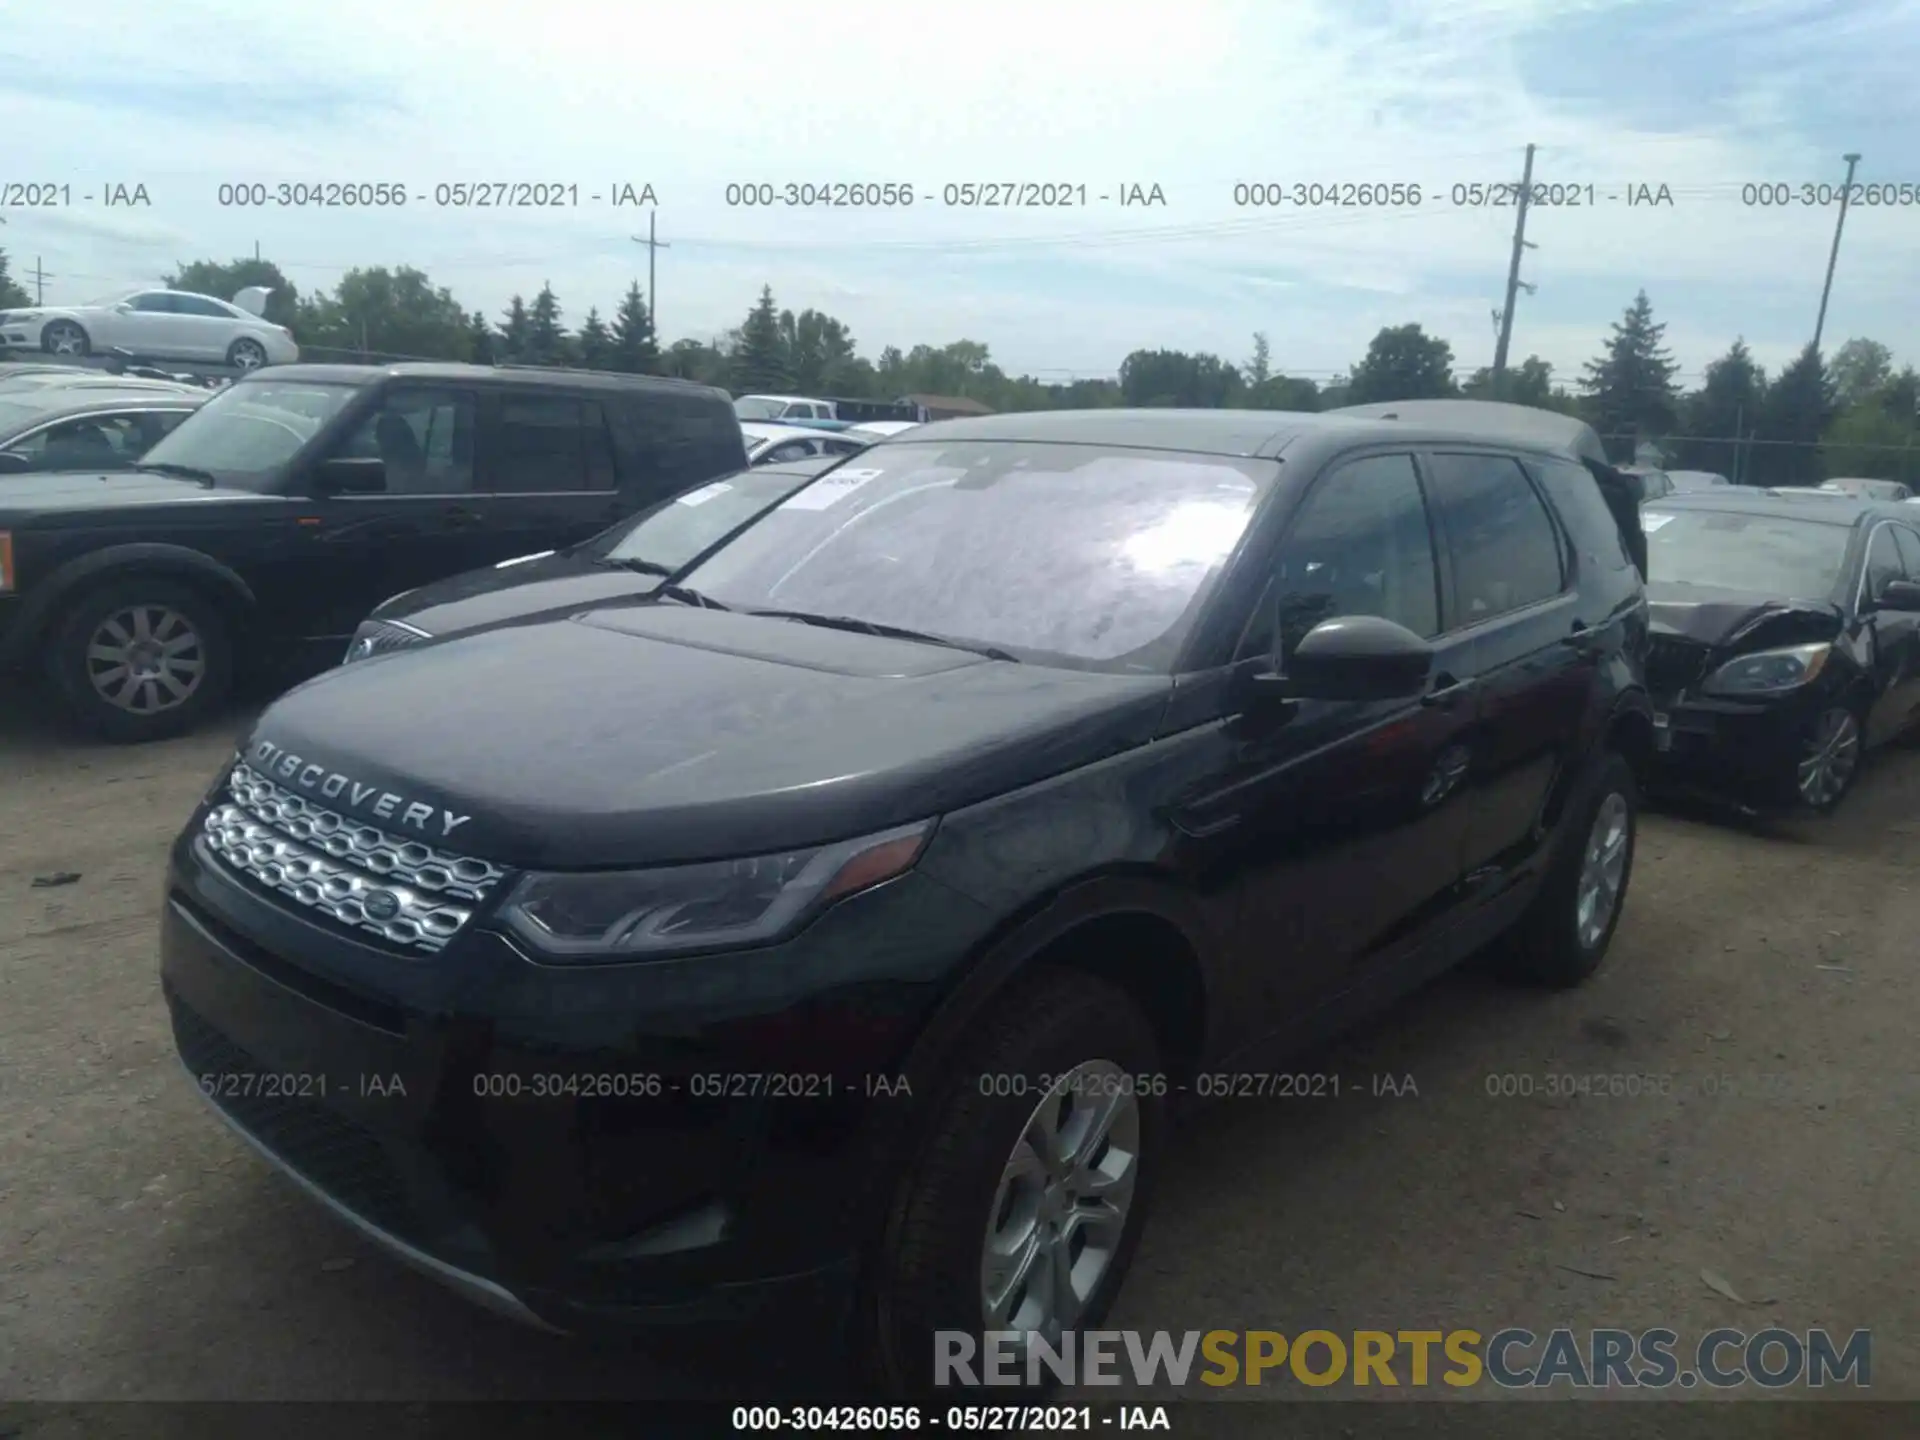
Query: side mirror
[[350, 475], [1902, 596], [1358, 657], [14, 462]]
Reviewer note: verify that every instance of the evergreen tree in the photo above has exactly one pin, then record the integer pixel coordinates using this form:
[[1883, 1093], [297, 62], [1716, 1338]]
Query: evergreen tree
[[596, 345], [546, 337], [759, 364], [633, 349], [480, 339], [1795, 412], [515, 333], [12, 296], [1260, 367], [1630, 388]]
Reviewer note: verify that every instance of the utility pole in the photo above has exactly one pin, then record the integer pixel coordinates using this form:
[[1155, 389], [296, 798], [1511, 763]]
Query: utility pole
[[40, 278], [1513, 278], [654, 246], [1846, 193]]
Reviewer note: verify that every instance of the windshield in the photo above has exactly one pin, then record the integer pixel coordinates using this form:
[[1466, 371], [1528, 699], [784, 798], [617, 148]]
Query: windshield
[[246, 433], [679, 530], [754, 408], [1091, 557], [1779, 556]]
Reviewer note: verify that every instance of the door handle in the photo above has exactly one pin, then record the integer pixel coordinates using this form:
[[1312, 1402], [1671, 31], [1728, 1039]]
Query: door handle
[[1445, 694]]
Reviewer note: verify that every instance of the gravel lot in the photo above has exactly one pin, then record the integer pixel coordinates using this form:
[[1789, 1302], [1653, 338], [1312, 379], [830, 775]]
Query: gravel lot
[[145, 1255]]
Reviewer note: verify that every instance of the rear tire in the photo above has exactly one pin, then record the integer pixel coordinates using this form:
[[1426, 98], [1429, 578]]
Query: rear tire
[[65, 337], [1566, 931], [246, 354], [141, 658], [981, 1188]]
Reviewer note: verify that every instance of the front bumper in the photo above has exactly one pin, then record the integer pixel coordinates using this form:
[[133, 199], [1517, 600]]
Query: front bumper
[[577, 1148], [1743, 750]]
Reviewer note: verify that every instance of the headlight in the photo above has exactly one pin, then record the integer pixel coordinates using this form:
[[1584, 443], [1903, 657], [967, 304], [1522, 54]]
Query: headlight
[[725, 903], [1768, 671]]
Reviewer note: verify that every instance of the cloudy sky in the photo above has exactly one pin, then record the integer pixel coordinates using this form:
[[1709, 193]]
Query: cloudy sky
[[1193, 98]]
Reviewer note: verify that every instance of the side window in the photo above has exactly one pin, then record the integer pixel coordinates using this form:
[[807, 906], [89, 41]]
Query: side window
[[551, 443], [791, 450], [194, 305], [1506, 552], [155, 302], [84, 443], [1909, 543], [1360, 545], [1884, 565], [425, 439], [1584, 510], [156, 425]]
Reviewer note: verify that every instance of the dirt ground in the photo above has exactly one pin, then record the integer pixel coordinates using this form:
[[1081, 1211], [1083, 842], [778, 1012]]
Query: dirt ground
[[145, 1255]]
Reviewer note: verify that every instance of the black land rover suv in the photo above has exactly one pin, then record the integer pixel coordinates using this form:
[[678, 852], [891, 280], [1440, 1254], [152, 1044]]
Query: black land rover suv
[[844, 921], [300, 497]]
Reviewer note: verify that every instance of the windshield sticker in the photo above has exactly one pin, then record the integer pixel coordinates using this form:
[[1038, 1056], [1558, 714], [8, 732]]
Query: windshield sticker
[[829, 489], [1651, 521], [705, 493]]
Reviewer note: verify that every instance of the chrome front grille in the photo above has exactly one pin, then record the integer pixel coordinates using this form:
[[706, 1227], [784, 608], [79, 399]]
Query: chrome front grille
[[1674, 664], [402, 890]]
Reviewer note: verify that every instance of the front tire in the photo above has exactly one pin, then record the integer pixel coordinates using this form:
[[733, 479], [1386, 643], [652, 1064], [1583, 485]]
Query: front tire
[[1828, 760], [1026, 1203], [246, 354], [141, 659], [1566, 931], [64, 337]]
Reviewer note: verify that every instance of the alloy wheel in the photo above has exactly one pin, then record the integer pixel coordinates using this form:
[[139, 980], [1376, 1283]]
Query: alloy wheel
[[248, 356], [146, 659], [66, 340], [1829, 758], [1060, 1211], [1603, 869]]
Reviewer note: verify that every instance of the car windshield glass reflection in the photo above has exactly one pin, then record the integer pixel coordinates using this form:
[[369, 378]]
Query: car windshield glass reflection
[[1759, 554], [1092, 557], [678, 531], [247, 432]]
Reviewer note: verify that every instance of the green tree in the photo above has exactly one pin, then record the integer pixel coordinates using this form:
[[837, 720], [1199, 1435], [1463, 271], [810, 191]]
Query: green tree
[[697, 360], [1723, 412], [1403, 363], [1793, 416], [1865, 440], [224, 281], [1174, 379], [635, 350], [480, 339], [1260, 367], [389, 313], [1530, 383], [1859, 370], [516, 332], [758, 357], [817, 349], [546, 336], [596, 344], [1282, 392], [12, 296], [1629, 389]]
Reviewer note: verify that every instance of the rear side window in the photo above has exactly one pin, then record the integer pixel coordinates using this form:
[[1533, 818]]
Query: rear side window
[[551, 443], [1909, 543], [668, 443], [1506, 552], [1597, 540]]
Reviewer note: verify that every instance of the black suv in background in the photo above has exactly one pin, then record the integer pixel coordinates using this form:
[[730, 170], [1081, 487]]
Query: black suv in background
[[290, 504], [839, 926]]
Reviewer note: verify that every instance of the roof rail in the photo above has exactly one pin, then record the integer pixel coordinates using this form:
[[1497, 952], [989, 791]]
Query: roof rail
[[589, 370]]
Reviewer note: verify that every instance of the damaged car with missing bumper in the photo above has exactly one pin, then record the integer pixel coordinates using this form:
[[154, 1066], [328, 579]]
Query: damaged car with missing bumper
[[1785, 643]]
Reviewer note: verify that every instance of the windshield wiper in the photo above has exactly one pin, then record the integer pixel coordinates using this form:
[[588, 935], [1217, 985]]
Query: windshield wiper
[[184, 472], [639, 567], [886, 632], [690, 597]]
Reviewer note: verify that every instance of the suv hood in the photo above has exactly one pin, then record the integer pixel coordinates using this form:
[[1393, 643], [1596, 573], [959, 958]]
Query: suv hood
[[40, 493], [520, 592], [664, 734], [1727, 617]]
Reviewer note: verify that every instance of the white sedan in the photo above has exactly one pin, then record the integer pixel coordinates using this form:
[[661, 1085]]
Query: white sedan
[[155, 324], [878, 430], [780, 444]]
